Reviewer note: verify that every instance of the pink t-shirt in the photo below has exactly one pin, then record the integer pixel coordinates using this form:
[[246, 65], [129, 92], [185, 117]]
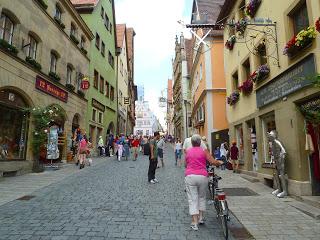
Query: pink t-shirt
[[196, 162]]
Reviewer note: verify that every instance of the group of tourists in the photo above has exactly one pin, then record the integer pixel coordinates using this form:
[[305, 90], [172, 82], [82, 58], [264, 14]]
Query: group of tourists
[[81, 148]]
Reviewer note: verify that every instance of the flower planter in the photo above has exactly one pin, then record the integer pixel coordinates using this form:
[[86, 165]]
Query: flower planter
[[70, 87], [241, 26], [260, 74], [54, 76], [84, 51], [233, 98], [74, 39], [8, 47], [33, 63], [61, 24], [42, 4], [252, 8], [295, 50], [230, 42], [246, 87], [81, 93]]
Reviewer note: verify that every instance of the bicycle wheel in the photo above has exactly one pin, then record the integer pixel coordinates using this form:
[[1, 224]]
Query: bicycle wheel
[[224, 224]]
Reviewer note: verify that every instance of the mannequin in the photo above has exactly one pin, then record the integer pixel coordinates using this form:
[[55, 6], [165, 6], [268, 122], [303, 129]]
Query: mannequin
[[279, 154]]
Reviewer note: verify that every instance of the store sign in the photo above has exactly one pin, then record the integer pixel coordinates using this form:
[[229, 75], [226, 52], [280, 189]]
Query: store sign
[[85, 84], [49, 88], [298, 76], [98, 105]]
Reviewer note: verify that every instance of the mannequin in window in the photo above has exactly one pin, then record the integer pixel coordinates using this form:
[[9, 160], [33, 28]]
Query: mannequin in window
[[279, 154]]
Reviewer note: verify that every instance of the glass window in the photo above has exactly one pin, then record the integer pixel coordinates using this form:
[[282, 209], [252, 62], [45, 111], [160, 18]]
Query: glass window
[[112, 93], [246, 68], [94, 113], [300, 18], [101, 84], [100, 117], [110, 28], [69, 74], [97, 41], [268, 124], [53, 62], [107, 90], [82, 42], [73, 30], [235, 81], [32, 49], [106, 21], [58, 13], [102, 12], [111, 59], [96, 79], [6, 28], [103, 48]]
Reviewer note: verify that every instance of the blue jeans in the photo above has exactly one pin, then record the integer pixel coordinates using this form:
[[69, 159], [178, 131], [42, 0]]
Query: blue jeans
[[224, 159], [178, 154]]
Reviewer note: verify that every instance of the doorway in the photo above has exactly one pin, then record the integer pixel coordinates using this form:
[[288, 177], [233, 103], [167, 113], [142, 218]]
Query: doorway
[[253, 144]]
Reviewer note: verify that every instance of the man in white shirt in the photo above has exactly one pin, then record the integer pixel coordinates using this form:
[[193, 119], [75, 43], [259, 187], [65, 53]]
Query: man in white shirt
[[160, 145]]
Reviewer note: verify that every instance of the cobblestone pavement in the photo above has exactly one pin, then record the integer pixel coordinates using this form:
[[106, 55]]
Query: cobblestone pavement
[[111, 200]]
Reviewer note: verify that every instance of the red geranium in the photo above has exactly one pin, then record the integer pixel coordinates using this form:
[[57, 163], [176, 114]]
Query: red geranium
[[318, 25]]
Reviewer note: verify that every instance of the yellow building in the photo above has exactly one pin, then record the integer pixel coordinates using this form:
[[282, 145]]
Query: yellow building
[[271, 97]]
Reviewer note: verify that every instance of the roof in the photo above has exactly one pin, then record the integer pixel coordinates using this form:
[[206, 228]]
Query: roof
[[85, 2], [189, 53], [225, 10], [130, 36], [121, 29]]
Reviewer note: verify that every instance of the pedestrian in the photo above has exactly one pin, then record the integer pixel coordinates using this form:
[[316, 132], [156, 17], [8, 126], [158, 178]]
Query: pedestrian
[[204, 140], [100, 146], [83, 148], [135, 148], [223, 155], [153, 158], [111, 144], [120, 149], [196, 179], [160, 146], [178, 152], [126, 149], [234, 155]]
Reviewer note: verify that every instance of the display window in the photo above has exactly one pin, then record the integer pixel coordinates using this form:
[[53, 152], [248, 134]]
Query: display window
[[13, 126], [268, 124], [239, 140]]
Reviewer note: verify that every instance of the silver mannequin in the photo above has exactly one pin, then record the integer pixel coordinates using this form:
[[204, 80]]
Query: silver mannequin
[[279, 155]]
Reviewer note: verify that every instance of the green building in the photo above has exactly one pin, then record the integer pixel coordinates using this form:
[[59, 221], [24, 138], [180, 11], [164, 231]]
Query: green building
[[102, 94]]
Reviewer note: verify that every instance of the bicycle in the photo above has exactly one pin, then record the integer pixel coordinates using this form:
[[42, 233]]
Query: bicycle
[[218, 197]]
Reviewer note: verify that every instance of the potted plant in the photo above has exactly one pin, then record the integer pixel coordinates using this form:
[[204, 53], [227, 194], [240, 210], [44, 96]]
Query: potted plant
[[252, 7], [54, 76], [74, 39], [302, 40], [246, 87], [233, 98], [230, 42], [8, 47], [70, 87], [318, 25], [43, 4], [61, 24], [81, 93], [261, 73], [241, 26], [84, 50], [33, 63]]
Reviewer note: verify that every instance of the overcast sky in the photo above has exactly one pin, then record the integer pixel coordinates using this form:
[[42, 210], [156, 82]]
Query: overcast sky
[[155, 24]]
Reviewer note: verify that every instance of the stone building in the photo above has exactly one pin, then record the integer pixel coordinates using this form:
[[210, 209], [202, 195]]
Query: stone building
[[170, 107], [275, 72], [44, 49]]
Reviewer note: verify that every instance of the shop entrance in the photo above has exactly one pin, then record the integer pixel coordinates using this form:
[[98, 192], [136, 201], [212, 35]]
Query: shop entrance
[[253, 145]]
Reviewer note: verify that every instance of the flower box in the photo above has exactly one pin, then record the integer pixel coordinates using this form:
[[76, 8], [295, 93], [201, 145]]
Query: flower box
[[8, 47], [54, 76], [299, 42], [241, 26], [33, 63], [260, 74], [70, 87], [61, 24], [74, 39], [42, 4], [81, 93], [233, 98], [230, 42], [252, 7], [246, 87], [84, 50]]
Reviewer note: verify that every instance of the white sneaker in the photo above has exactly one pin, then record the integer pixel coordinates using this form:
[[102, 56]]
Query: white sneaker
[[156, 180], [194, 227], [152, 181]]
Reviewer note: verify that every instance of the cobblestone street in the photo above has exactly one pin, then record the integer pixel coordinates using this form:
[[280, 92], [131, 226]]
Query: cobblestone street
[[110, 200]]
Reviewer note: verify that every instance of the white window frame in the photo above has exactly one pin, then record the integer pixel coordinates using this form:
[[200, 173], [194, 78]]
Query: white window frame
[[58, 12], [32, 48], [53, 62], [3, 30], [69, 74], [100, 114]]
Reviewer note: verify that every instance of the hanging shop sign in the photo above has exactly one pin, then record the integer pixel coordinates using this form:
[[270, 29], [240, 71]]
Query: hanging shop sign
[[298, 76], [85, 84], [49, 88], [98, 105]]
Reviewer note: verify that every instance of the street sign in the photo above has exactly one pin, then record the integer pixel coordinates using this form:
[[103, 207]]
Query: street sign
[[85, 84], [126, 101]]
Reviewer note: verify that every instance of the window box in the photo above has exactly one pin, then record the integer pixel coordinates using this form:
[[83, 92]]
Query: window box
[[81, 93], [61, 24], [8, 47], [252, 8], [230, 42], [299, 42], [84, 50], [54, 76], [42, 4], [33, 63], [74, 39], [233, 98], [240, 26], [246, 87], [260, 74], [70, 87]]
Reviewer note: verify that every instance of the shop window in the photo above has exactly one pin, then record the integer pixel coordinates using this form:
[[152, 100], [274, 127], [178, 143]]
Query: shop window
[[239, 140], [246, 69], [102, 85], [97, 41], [103, 48], [100, 117], [268, 124], [107, 90], [13, 126], [32, 48], [300, 18], [53, 62], [96, 79], [94, 114], [6, 28]]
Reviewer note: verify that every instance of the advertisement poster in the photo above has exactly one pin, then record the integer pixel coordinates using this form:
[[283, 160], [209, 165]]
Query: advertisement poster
[[52, 148]]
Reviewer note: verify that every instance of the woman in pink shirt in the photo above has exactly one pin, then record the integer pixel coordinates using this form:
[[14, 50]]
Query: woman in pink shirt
[[196, 179]]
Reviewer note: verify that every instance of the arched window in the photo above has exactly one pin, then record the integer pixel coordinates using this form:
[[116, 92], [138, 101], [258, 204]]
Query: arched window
[[32, 48], [69, 74], [53, 62], [6, 28]]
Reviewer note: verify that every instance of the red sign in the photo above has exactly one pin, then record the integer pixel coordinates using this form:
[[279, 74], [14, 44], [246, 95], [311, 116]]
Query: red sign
[[85, 85], [49, 88]]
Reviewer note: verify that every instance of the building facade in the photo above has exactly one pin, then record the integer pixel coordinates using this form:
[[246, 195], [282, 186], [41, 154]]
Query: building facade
[[181, 93], [170, 108], [122, 78], [102, 94], [207, 81], [146, 123], [275, 77], [43, 56]]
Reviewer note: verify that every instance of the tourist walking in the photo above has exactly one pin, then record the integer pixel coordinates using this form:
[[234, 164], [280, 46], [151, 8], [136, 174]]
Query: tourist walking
[[223, 154], [234, 155], [126, 149], [196, 179], [178, 152], [153, 158], [135, 148], [160, 146], [83, 148], [120, 149], [100, 146]]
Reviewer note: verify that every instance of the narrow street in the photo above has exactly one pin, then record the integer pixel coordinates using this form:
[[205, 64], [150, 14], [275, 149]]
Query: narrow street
[[110, 200]]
